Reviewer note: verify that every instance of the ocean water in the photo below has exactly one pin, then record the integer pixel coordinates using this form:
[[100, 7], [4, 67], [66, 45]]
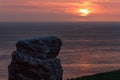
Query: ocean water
[[88, 47]]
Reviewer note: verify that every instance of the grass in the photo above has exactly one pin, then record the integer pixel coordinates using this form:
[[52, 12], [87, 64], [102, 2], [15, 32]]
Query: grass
[[113, 75]]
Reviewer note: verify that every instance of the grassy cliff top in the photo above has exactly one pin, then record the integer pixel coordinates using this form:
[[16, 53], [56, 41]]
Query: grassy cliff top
[[113, 75]]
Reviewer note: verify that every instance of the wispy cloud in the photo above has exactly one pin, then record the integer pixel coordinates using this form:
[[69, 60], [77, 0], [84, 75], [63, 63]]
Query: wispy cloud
[[58, 9]]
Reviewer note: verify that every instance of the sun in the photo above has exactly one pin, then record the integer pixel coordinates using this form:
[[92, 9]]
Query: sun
[[83, 12]]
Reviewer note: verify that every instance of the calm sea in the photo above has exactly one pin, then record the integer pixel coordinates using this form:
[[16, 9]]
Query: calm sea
[[88, 48]]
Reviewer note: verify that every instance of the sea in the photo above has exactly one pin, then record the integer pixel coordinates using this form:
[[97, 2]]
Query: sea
[[88, 47]]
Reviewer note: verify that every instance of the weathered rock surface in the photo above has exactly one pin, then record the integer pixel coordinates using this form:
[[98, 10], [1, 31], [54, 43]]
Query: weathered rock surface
[[35, 59]]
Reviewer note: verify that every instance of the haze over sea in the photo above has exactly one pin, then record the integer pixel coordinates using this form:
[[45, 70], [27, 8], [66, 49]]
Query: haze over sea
[[88, 47]]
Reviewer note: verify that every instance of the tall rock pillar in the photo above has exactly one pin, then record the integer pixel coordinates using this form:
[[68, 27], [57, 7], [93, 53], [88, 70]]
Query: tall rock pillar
[[36, 59]]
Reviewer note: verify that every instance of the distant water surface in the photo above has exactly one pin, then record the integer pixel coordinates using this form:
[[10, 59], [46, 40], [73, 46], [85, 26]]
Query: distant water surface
[[88, 48]]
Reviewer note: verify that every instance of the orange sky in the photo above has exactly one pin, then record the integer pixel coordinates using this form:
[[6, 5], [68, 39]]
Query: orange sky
[[58, 10]]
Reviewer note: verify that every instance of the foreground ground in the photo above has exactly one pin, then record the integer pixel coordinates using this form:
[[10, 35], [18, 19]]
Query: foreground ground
[[113, 75]]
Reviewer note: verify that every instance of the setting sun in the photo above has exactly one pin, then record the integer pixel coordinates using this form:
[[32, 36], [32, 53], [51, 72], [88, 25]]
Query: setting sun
[[84, 12]]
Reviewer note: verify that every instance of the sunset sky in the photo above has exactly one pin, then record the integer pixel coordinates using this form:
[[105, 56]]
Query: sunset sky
[[59, 10]]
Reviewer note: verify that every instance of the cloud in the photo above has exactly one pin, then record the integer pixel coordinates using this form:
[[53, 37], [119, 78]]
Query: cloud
[[56, 9]]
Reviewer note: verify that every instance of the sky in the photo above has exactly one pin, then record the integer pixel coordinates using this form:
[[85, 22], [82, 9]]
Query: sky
[[59, 10]]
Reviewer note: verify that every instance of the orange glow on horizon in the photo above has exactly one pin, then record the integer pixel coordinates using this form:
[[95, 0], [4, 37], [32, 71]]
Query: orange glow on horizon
[[85, 9], [83, 12]]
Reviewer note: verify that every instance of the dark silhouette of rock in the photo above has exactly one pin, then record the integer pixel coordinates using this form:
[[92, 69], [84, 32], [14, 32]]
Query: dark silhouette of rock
[[35, 59]]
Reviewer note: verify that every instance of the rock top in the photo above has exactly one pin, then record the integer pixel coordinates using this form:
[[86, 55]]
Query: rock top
[[35, 59]]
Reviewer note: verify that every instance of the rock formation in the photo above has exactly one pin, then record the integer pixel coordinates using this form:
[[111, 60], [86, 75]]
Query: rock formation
[[35, 59]]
